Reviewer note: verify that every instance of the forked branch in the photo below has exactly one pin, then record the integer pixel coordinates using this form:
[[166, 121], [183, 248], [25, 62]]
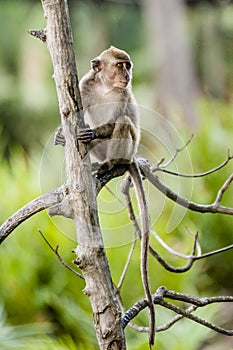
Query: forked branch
[[213, 208], [162, 167], [196, 249], [163, 293]]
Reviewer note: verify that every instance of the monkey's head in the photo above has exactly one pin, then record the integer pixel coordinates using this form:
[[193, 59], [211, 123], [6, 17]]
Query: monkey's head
[[114, 68]]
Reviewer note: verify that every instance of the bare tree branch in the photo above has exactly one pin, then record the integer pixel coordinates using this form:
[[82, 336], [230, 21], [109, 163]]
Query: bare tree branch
[[171, 250], [193, 257], [169, 267], [45, 201], [144, 166], [163, 292], [39, 34], [158, 167], [175, 319], [197, 319], [201, 208], [125, 186], [213, 252], [127, 264], [55, 250], [165, 326], [223, 189], [145, 238]]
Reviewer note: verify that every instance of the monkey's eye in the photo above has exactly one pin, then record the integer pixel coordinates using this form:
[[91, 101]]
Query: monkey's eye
[[128, 65], [119, 64]]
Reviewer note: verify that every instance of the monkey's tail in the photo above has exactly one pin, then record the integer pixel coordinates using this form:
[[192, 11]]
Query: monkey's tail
[[145, 226]]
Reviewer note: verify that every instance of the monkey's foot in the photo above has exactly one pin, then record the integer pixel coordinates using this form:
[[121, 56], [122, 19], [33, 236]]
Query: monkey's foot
[[104, 168]]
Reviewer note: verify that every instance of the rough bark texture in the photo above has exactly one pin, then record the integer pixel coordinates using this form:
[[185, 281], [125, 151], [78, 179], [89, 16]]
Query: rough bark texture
[[81, 196]]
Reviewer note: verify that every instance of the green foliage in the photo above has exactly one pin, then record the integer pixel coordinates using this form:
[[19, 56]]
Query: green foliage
[[35, 288], [32, 336]]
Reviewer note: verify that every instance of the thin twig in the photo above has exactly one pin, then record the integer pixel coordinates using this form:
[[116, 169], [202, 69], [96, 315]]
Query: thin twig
[[169, 249], [157, 167], [123, 275], [196, 319], [164, 327], [214, 252], [223, 189], [175, 319], [163, 292], [169, 267], [125, 189], [39, 34], [177, 151], [196, 237], [55, 250], [192, 257], [122, 278]]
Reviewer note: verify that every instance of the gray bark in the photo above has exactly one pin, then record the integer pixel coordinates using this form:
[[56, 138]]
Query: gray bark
[[80, 195]]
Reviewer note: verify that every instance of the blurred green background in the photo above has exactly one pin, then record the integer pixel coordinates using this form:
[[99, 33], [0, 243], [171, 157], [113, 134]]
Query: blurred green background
[[183, 81]]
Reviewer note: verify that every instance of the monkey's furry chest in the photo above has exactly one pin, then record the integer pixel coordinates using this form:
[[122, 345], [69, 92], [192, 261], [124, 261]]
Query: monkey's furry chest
[[104, 106], [103, 113]]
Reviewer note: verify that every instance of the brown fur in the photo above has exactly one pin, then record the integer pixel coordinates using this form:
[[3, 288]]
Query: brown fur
[[110, 108]]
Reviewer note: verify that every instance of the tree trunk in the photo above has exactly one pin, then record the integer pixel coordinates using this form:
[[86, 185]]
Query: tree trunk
[[80, 193]]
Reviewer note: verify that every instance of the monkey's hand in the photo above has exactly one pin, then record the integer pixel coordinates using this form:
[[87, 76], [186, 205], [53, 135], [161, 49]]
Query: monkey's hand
[[59, 138], [85, 135]]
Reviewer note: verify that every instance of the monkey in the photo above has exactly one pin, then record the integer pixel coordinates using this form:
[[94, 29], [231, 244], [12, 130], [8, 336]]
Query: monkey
[[110, 110], [113, 133]]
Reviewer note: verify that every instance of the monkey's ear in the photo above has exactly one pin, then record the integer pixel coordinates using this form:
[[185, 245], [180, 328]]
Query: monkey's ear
[[96, 64]]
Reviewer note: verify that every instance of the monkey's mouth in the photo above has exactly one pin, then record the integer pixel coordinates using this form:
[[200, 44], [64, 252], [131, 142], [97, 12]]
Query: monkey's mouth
[[123, 83]]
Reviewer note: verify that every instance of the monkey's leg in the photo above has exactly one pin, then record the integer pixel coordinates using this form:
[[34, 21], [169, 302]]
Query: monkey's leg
[[121, 147]]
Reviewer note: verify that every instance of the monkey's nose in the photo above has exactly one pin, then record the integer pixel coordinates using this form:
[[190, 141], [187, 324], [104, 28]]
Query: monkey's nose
[[126, 75]]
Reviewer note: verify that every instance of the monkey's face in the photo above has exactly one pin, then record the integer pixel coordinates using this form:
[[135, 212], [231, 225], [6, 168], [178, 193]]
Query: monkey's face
[[114, 68], [121, 74], [116, 73]]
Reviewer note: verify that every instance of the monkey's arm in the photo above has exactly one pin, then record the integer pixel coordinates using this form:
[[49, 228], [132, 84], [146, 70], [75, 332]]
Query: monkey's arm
[[100, 132], [87, 134]]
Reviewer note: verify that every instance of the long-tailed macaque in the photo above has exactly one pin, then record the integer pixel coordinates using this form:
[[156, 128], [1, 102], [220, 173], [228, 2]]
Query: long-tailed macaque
[[110, 110], [113, 133]]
